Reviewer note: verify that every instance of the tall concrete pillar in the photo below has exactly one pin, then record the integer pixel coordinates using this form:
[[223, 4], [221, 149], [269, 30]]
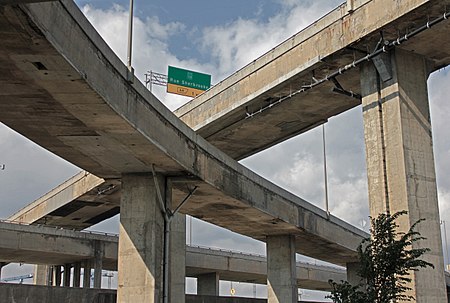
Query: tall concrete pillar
[[177, 259], [208, 284], [281, 269], [76, 274], [87, 274], [352, 273], [98, 264], [50, 278], [399, 154], [66, 275], [140, 264], [40, 276], [56, 275]]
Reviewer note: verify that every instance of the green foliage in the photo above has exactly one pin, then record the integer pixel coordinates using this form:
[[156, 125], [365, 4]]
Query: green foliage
[[385, 260]]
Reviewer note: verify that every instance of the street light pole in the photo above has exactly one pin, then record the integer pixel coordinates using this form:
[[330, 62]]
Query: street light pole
[[130, 72]]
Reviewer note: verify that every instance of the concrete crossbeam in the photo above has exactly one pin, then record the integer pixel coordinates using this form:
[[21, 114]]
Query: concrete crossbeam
[[400, 161]]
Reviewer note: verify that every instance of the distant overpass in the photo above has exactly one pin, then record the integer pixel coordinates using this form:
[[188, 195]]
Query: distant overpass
[[37, 244]]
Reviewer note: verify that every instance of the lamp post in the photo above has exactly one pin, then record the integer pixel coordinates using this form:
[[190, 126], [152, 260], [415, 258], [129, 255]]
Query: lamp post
[[130, 70]]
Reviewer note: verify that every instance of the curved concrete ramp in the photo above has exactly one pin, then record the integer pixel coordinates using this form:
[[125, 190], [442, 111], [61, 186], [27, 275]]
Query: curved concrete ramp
[[63, 88]]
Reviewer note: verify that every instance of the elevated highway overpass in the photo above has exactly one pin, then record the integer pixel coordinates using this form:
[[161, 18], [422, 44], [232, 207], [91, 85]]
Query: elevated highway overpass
[[38, 244], [264, 103], [72, 97], [90, 114]]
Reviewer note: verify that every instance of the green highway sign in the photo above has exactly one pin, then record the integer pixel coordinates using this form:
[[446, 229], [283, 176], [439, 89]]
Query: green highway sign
[[187, 83]]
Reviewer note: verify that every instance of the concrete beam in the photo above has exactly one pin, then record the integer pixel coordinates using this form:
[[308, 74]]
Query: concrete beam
[[231, 266], [121, 137], [400, 161], [221, 114], [78, 203]]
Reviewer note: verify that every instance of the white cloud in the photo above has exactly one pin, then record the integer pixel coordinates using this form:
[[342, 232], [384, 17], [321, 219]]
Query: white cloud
[[238, 43]]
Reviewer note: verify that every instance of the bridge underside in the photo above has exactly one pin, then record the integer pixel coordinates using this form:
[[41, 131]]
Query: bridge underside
[[80, 106]]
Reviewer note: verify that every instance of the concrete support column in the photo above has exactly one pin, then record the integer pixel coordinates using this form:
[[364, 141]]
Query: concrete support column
[[177, 259], [208, 284], [66, 275], [98, 264], [140, 264], [76, 275], [50, 275], [281, 269], [399, 154], [56, 275], [352, 273], [40, 276], [87, 274]]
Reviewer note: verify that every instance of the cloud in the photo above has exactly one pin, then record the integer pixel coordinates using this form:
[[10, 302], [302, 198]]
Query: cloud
[[235, 44], [30, 171]]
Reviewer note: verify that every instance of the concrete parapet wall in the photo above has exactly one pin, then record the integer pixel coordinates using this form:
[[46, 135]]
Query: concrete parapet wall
[[20, 293]]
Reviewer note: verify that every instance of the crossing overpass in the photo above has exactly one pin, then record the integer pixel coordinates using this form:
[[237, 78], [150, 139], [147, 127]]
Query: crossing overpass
[[77, 101], [38, 244], [73, 98]]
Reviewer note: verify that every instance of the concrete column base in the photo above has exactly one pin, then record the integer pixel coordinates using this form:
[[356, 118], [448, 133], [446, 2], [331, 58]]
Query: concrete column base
[[281, 270], [208, 284], [140, 265]]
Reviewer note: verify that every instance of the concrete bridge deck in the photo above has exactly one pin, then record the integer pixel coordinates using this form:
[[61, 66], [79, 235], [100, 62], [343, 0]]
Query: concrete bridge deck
[[72, 97], [221, 115], [48, 245]]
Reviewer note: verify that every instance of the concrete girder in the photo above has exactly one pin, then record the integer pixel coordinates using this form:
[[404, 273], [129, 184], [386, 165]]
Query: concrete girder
[[343, 35]]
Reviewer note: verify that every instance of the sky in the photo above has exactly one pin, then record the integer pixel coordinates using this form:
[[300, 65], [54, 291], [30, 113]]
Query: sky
[[220, 37]]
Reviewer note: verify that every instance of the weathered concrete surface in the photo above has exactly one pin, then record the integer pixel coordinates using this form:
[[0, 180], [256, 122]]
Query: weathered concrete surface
[[400, 160], [328, 44], [36, 244], [71, 96], [177, 259], [281, 271], [21, 293], [80, 202], [141, 239], [46, 245], [208, 284]]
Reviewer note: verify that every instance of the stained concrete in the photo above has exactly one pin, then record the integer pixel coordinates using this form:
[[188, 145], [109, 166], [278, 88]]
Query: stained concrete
[[400, 161], [21, 293], [58, 246], [78, 203], [89, 114], [221, 114], [141, 239], [208, 284], [281, 271]]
